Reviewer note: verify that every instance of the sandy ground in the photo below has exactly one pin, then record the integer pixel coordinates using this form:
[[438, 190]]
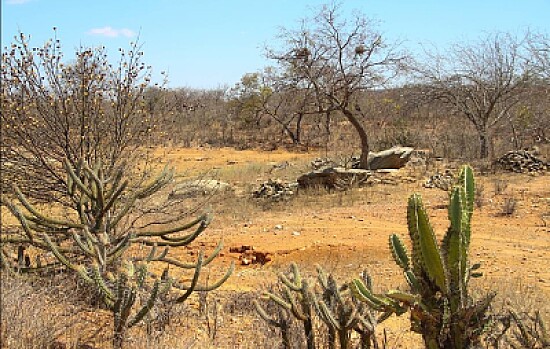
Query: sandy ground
[[347, 232]]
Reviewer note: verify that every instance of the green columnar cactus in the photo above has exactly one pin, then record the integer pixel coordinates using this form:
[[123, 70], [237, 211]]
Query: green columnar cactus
[[330, 303], [343, 314], [94, 239], [440, 306], [296, 299], [281, 320]]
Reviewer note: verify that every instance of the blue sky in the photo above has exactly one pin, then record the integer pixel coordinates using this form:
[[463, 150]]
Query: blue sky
[[212, 43]]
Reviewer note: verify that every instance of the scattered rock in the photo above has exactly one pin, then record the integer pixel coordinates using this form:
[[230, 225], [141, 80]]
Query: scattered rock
[[442, 181], [275, 190], [196, 188], [322, 163], [334, 178]]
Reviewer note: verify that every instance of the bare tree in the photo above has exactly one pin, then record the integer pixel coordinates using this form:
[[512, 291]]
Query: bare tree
[[539, 46], [82, 110], [337, 58], [480, 81], [272, 95]]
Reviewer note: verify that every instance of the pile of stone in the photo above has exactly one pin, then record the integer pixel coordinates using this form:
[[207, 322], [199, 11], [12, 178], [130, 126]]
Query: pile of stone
[[322, 163], [275, 190], [443, 181], [521, 161]]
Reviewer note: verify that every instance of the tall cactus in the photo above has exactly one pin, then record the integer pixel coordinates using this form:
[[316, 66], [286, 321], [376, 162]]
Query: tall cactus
[[438, 275], [93, 242]]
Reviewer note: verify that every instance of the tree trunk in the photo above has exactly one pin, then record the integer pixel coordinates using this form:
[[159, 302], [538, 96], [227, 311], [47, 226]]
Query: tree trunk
[[363, 159], [298, 132], [483, 144]]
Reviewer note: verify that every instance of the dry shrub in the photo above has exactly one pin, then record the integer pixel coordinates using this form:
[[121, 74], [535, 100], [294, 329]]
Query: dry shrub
[[509, 206], [34, 316], [524, 299]]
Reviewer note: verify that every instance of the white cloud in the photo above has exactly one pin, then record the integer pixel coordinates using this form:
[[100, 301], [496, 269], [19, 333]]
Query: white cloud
[[109, 31], [16, 2]]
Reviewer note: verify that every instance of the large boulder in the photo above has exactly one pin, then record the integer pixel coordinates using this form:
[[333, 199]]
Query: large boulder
[[334, 178], [393, 158]]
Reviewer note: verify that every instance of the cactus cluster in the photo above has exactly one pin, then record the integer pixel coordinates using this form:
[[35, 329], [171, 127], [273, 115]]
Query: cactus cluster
[[96, 244], [323, 302], [438, 275]]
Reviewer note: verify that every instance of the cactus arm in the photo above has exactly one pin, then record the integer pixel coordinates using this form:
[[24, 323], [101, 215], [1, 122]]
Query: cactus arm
[[115, 253], [104, 208], [37, 214], [407, 298], [467, 182], [296, 311], [263, 314], [202, 218], [328, 316], [399, 252], [112, 197], [147, 306], [363, 294], [322, 277], [98, 190], [421, 230], [146, 191], [100, 282], [76, 180], [20, 217], [87, 251], [141, 273], [194, 281], [220, 281], [186, 239], [57, 253], [412, 280], [278, 300], [175, 242]]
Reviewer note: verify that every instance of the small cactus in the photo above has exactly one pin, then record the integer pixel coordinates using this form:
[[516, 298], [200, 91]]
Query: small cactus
[[329, 303]]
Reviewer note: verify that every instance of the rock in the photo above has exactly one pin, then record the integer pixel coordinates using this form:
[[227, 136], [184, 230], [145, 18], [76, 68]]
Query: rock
[[278, 227], [196, 188], [296, 233], [322, 163], [275, 190], [522, 161], [334, 178], [442, 181], [393, 158]]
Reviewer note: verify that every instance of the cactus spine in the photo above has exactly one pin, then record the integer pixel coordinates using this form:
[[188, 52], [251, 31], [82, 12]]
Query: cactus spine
[[438, 275]]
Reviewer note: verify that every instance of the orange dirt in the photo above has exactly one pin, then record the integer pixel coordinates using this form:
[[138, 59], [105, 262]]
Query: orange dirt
[[347, 232]]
